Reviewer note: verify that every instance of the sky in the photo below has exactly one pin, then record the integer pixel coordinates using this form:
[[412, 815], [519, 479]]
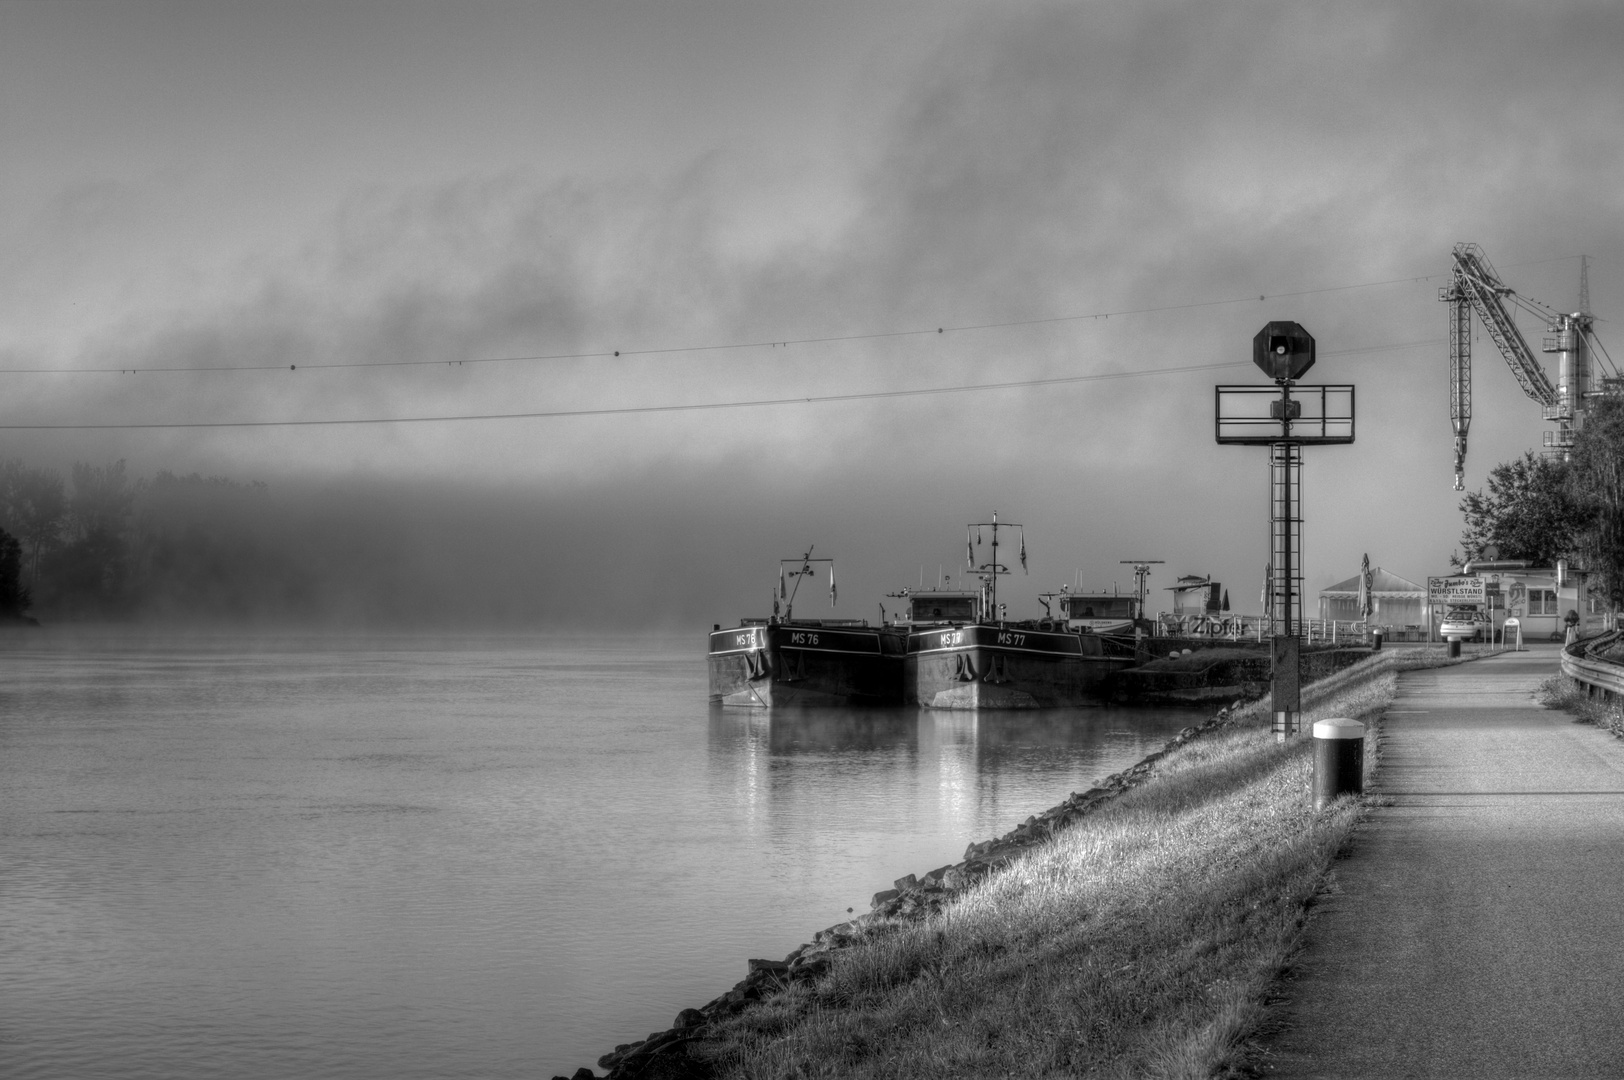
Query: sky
[[406, 213]]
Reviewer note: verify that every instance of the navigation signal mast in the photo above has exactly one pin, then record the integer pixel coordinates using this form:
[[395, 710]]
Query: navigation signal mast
[[1284, 417], [1141, 571], [1476, 286]]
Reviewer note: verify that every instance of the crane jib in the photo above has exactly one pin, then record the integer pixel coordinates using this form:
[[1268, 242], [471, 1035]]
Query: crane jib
[[1476, 286]]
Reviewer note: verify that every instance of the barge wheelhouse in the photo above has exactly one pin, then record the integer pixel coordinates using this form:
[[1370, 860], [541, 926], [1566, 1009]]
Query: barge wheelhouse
[[1098, 613]]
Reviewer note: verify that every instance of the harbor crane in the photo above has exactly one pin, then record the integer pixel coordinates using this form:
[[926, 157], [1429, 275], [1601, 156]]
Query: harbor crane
[[1476, 286]]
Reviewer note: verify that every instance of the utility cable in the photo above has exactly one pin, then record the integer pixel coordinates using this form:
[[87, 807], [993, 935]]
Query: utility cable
[[726, 346], [627, 410]]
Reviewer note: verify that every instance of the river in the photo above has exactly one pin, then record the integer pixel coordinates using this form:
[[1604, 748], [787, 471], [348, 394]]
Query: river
[[296, 855]]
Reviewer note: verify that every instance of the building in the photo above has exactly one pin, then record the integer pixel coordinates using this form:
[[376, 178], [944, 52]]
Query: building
[[1538, 597], [1396, 603], [1197, 595]]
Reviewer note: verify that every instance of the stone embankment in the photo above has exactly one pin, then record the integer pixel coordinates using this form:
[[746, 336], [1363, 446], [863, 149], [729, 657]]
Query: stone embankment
[[664, 1054]]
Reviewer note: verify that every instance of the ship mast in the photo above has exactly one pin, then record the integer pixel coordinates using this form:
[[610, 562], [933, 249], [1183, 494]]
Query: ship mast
[[989, 572], [1141, 571], [803, 569]]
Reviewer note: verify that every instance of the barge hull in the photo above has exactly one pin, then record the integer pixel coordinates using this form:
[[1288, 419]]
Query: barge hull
[[990, 667], [791, 664]]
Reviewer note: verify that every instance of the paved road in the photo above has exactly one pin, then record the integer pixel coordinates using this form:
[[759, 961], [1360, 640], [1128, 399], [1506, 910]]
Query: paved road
[[1478, 926]]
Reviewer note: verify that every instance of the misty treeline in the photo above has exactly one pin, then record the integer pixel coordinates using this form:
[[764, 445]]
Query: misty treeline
[[98, 544], [95, 543]]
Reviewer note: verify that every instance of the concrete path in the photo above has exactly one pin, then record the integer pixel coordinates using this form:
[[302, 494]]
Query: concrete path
[[1477, 929]]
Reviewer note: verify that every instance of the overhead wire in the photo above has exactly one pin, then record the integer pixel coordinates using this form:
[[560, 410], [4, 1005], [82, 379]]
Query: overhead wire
[[625, 410], [603, 354], [1525, 303]]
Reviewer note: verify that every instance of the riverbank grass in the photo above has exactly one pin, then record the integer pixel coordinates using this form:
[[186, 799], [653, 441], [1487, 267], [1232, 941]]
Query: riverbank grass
[[1141, 941], [1564, 693]]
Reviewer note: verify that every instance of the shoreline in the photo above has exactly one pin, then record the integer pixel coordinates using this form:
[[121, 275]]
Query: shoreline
[[910, 899], [704, 1042]]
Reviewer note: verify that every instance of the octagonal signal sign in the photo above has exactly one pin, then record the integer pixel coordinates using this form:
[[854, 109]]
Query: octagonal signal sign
[[1284, 350]]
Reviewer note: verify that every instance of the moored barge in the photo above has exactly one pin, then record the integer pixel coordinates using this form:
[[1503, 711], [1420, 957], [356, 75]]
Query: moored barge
[[963, 653], [776, 662], [980, 663], [771, 663]]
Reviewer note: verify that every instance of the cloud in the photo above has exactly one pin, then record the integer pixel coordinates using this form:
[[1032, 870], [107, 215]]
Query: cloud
[[1045, 161]]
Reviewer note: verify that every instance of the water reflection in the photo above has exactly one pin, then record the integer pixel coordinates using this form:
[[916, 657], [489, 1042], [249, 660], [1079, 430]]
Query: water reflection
[[953, 737], [947, 774], [813, 731], [209, 831]]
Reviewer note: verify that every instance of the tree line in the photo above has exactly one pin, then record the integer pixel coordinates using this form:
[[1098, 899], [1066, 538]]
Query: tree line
[[98, 544], [95, 543], [1544, 508]]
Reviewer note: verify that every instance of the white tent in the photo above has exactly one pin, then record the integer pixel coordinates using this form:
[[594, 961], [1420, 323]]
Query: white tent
[[1397, 602]]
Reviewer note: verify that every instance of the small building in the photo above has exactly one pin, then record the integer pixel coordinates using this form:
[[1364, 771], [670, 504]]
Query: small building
[[1396, 603], [1196, 594], [1538, 597]]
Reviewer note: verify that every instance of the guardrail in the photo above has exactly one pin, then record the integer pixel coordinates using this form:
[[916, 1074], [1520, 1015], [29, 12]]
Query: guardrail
[[1594, 673]]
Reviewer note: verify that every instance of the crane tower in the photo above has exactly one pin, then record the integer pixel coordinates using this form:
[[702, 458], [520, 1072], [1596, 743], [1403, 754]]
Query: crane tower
[[1476, 286]]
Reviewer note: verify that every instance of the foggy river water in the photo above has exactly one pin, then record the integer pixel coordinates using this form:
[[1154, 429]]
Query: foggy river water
[[293, 856]]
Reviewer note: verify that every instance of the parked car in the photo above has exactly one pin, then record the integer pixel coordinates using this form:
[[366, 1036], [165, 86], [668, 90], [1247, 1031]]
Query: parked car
[[1465, 623]]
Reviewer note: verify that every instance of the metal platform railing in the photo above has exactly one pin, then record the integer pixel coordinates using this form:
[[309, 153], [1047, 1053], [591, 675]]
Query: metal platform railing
[[1261, 628]]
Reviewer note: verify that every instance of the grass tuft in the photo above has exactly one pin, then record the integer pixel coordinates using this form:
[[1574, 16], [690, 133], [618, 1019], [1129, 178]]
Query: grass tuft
[[1562, 692]]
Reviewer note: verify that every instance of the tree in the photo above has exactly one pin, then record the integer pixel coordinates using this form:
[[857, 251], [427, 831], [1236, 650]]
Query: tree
[[14, 598], [33, 506], [102, 499], [1530, 513], [88, 573], [1596, 482]]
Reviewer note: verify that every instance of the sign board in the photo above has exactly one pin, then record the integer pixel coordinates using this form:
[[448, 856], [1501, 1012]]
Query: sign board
[[1460, 590], [1250, 415]]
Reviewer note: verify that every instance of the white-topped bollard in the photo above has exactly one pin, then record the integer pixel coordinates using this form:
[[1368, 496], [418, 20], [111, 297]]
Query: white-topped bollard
[[1339, 759]]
